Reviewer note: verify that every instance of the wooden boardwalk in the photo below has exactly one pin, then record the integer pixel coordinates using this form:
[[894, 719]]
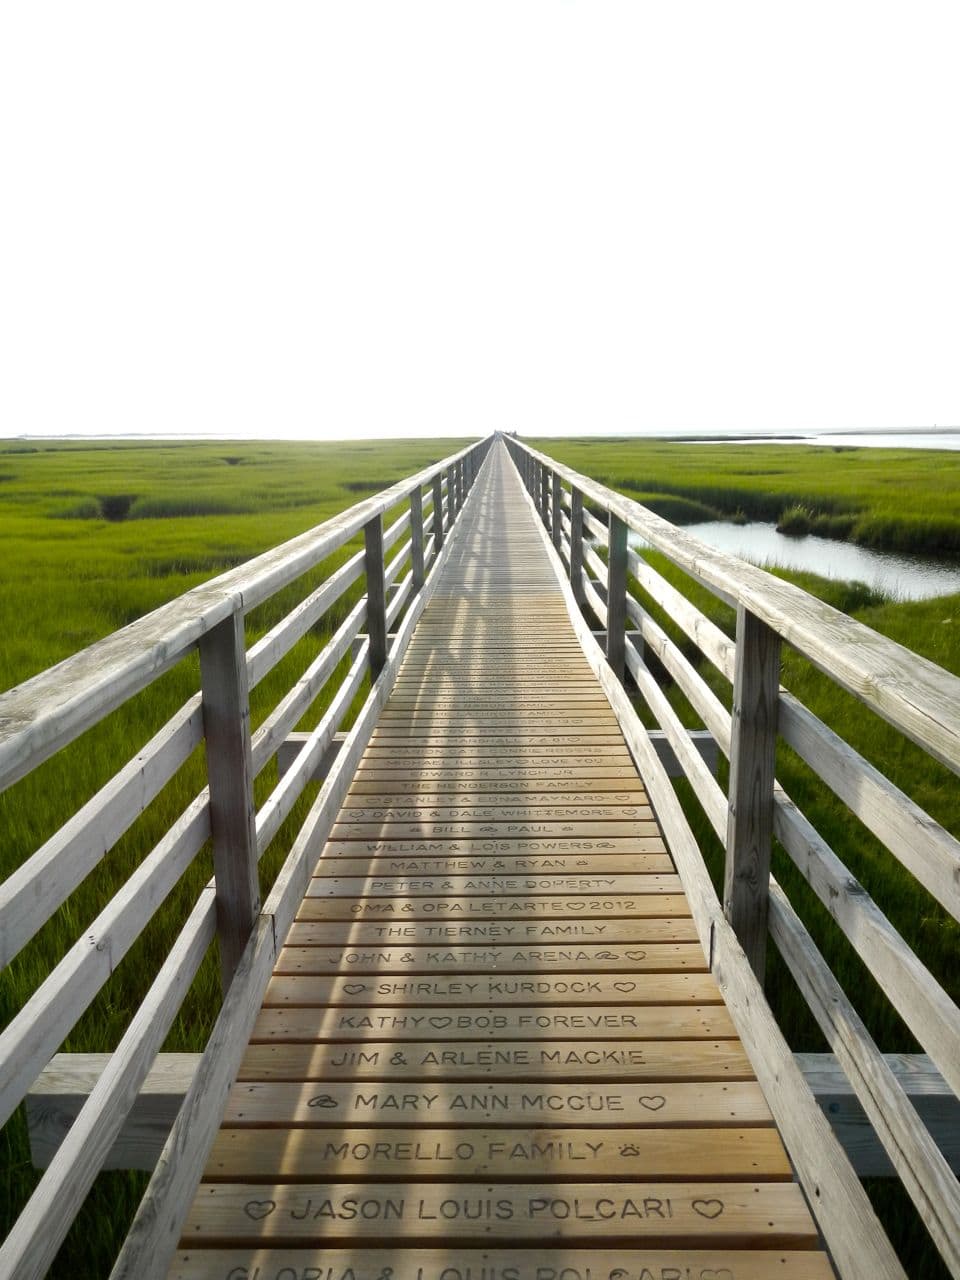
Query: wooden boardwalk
[[491, 1048]]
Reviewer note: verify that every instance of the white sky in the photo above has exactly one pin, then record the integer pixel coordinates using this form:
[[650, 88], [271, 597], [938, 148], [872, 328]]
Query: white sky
[[334, 220]]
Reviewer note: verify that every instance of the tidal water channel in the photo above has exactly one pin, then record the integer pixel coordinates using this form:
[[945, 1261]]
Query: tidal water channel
[[901, 576]]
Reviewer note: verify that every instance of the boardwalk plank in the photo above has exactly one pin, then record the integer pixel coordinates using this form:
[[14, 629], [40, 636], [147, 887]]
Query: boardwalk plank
[[653, 958], [696, 1215], [515, 1153], [478, 1022], [540, 1060], [605, 1105], [458, 1263]]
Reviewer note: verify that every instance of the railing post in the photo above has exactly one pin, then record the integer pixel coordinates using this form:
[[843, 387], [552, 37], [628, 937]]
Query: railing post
[[545, 495], [576, 545], [376, 594], [460, 486], [557, 514], [616, 593], [226, 727], [416, 538], [451, 497], [746, 876], [437, 513]]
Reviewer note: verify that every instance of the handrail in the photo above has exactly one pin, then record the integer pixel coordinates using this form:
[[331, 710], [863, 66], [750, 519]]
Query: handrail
[[918, 698], [49, 711]]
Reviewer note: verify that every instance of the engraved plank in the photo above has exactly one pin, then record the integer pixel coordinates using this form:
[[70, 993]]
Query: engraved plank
[[455, 1263], [480, 864], [540, 808], [715, 1154], [687, 1214], [588, 1022], [497, 830], [533, 732], [534, 777], [613, 1060], [498, 847], [656, 1105], [402, 990], [661, 957], [398, 723], [500, 703], [585, 738], [650, 904], [428, 932], [569, 794], [579, 697], [550, 749], [373, 886]]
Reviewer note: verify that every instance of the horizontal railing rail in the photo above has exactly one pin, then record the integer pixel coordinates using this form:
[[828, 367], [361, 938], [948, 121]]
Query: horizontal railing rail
[[588, 526], [362, 637]]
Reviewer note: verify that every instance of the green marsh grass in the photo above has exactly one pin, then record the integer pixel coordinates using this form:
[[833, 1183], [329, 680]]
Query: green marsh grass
[[896, 499], [74, 571]]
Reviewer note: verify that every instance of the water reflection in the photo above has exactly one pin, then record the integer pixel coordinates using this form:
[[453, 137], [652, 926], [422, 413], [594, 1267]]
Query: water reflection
[[902, 576]]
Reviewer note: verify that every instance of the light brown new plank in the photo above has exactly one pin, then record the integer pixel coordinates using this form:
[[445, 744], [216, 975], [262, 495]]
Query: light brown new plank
[[464, 1263], [569, 988], [661, 957], [378, 886], [528, 907], [592, 865], [733, 1154], [471, 1022], [502, 830], [540, 1060], [625, 800], [506, 808], [512, 846], [654, 1105], [696, 1215], [532, 777], [634, 929]]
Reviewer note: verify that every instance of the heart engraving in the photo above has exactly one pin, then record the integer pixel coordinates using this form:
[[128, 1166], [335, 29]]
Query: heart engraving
[[259, 1209], [354, 988], [440, 1024], [625, 987], [636, 955], [322, 1100], [652, 1101], [708, 1208]]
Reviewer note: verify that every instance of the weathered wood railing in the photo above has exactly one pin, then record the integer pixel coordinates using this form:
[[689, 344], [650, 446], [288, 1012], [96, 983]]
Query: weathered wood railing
[[609, 578], [47, 713]]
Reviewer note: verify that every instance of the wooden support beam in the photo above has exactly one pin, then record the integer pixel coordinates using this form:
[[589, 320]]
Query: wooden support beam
[[545, 496], [226, 727], [756, 691], [416, 538], [557, 513], [294, 743], [616, 593], [576, 546], [437, 514], [376, 595]]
